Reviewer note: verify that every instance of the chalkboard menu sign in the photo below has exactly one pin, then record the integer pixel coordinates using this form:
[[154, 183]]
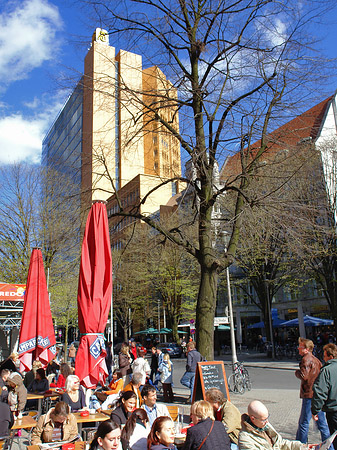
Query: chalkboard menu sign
[[210, 374]]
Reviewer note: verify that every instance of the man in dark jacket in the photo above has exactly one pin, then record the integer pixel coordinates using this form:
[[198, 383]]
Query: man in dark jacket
[[6, 418], [193, 357], [307, 373], [154, 363], [325, 389]]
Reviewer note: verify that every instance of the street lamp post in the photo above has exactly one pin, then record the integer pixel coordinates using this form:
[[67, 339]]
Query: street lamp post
[[230, 305]]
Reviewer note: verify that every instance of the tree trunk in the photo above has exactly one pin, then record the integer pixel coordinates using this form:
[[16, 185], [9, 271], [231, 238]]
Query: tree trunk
[[205, 312], [66, 338], [175, 334]]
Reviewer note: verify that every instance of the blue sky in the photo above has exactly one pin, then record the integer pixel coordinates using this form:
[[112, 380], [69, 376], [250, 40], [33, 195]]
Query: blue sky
[[41, 43]]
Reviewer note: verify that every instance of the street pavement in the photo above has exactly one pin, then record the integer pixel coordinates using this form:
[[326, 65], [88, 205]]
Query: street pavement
[[274, 384]]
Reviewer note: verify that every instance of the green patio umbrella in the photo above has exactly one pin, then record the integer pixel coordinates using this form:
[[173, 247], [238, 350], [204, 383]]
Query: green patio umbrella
[[148, 331], [224, 327], [165, 330]]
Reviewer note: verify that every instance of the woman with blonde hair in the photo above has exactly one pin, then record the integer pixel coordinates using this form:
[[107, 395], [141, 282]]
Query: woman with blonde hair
[[74, 395], [206, 433], [166, 378]]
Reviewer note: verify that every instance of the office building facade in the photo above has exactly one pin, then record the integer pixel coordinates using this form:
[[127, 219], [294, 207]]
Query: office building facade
[[105, 136]]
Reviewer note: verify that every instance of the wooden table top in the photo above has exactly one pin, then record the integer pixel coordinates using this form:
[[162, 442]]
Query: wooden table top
[[33, 396], [79, 445], [25, 422], [42, 395], [97, 417]]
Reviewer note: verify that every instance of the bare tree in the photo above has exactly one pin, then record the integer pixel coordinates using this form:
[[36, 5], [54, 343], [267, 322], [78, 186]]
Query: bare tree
[[19, 201], [313, 239], [237, 67], [36, 213]]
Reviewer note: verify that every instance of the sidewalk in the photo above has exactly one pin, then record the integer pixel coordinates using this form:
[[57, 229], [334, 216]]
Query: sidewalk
[[260, 360], [284, 405]]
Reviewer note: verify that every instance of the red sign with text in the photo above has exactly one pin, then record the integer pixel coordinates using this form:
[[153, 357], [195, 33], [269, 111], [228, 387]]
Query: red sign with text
[[12, 292]]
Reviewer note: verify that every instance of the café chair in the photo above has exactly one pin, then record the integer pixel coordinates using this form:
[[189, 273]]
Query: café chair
[[28, 437], [4, 442], [173, 410], [88, 434]]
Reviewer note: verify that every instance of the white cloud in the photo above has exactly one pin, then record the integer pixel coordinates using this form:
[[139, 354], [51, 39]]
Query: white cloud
[[21, 136], [27, 38]]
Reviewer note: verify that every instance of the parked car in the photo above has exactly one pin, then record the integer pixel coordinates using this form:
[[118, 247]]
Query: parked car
[[173, 349]]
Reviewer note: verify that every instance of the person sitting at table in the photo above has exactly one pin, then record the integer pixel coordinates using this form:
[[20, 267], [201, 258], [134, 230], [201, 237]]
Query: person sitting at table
[[6, 418], [257, 433], [161, 436], [111, 396], [206, 432], [136, 430], [65, 371], [52, 367], [57, 425], [127, 404], [40, 383], [74, 395], [134, 385], [116, 384], [30, 375], [107, 436], [226, 412], [17, 397], [152, 408]]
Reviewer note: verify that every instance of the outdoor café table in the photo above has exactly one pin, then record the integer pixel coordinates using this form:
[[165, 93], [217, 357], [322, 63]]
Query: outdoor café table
[[97, 417], [39, 397], [79, 445], [26, 422]]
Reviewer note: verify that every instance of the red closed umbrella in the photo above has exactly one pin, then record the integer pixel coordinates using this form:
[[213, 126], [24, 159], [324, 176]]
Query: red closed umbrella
[[37, 337], [94, 297]]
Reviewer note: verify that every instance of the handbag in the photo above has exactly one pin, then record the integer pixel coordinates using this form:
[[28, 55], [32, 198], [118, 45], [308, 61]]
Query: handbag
[[206, 435], [101, 396]]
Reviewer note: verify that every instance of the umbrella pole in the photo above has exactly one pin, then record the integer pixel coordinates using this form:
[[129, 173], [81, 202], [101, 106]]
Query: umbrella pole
[[112, 323]]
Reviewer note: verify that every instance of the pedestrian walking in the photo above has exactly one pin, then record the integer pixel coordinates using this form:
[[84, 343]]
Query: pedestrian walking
[[307, 373], [124, 363], [166, 378], [325, 389], [141, 366], [72, 353], [154, 363], [193, 357]]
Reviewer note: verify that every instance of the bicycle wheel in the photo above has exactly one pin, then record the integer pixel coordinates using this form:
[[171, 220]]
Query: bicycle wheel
[[236, 383], [248, 383]]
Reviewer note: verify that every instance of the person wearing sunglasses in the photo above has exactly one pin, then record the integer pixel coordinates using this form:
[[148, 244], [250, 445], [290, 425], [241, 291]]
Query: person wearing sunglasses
[[258, 434]]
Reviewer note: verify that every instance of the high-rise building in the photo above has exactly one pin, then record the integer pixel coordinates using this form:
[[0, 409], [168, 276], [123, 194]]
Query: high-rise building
[[108, 132]]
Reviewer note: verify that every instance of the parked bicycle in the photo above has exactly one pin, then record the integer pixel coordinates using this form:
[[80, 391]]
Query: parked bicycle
[[239, 380]]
